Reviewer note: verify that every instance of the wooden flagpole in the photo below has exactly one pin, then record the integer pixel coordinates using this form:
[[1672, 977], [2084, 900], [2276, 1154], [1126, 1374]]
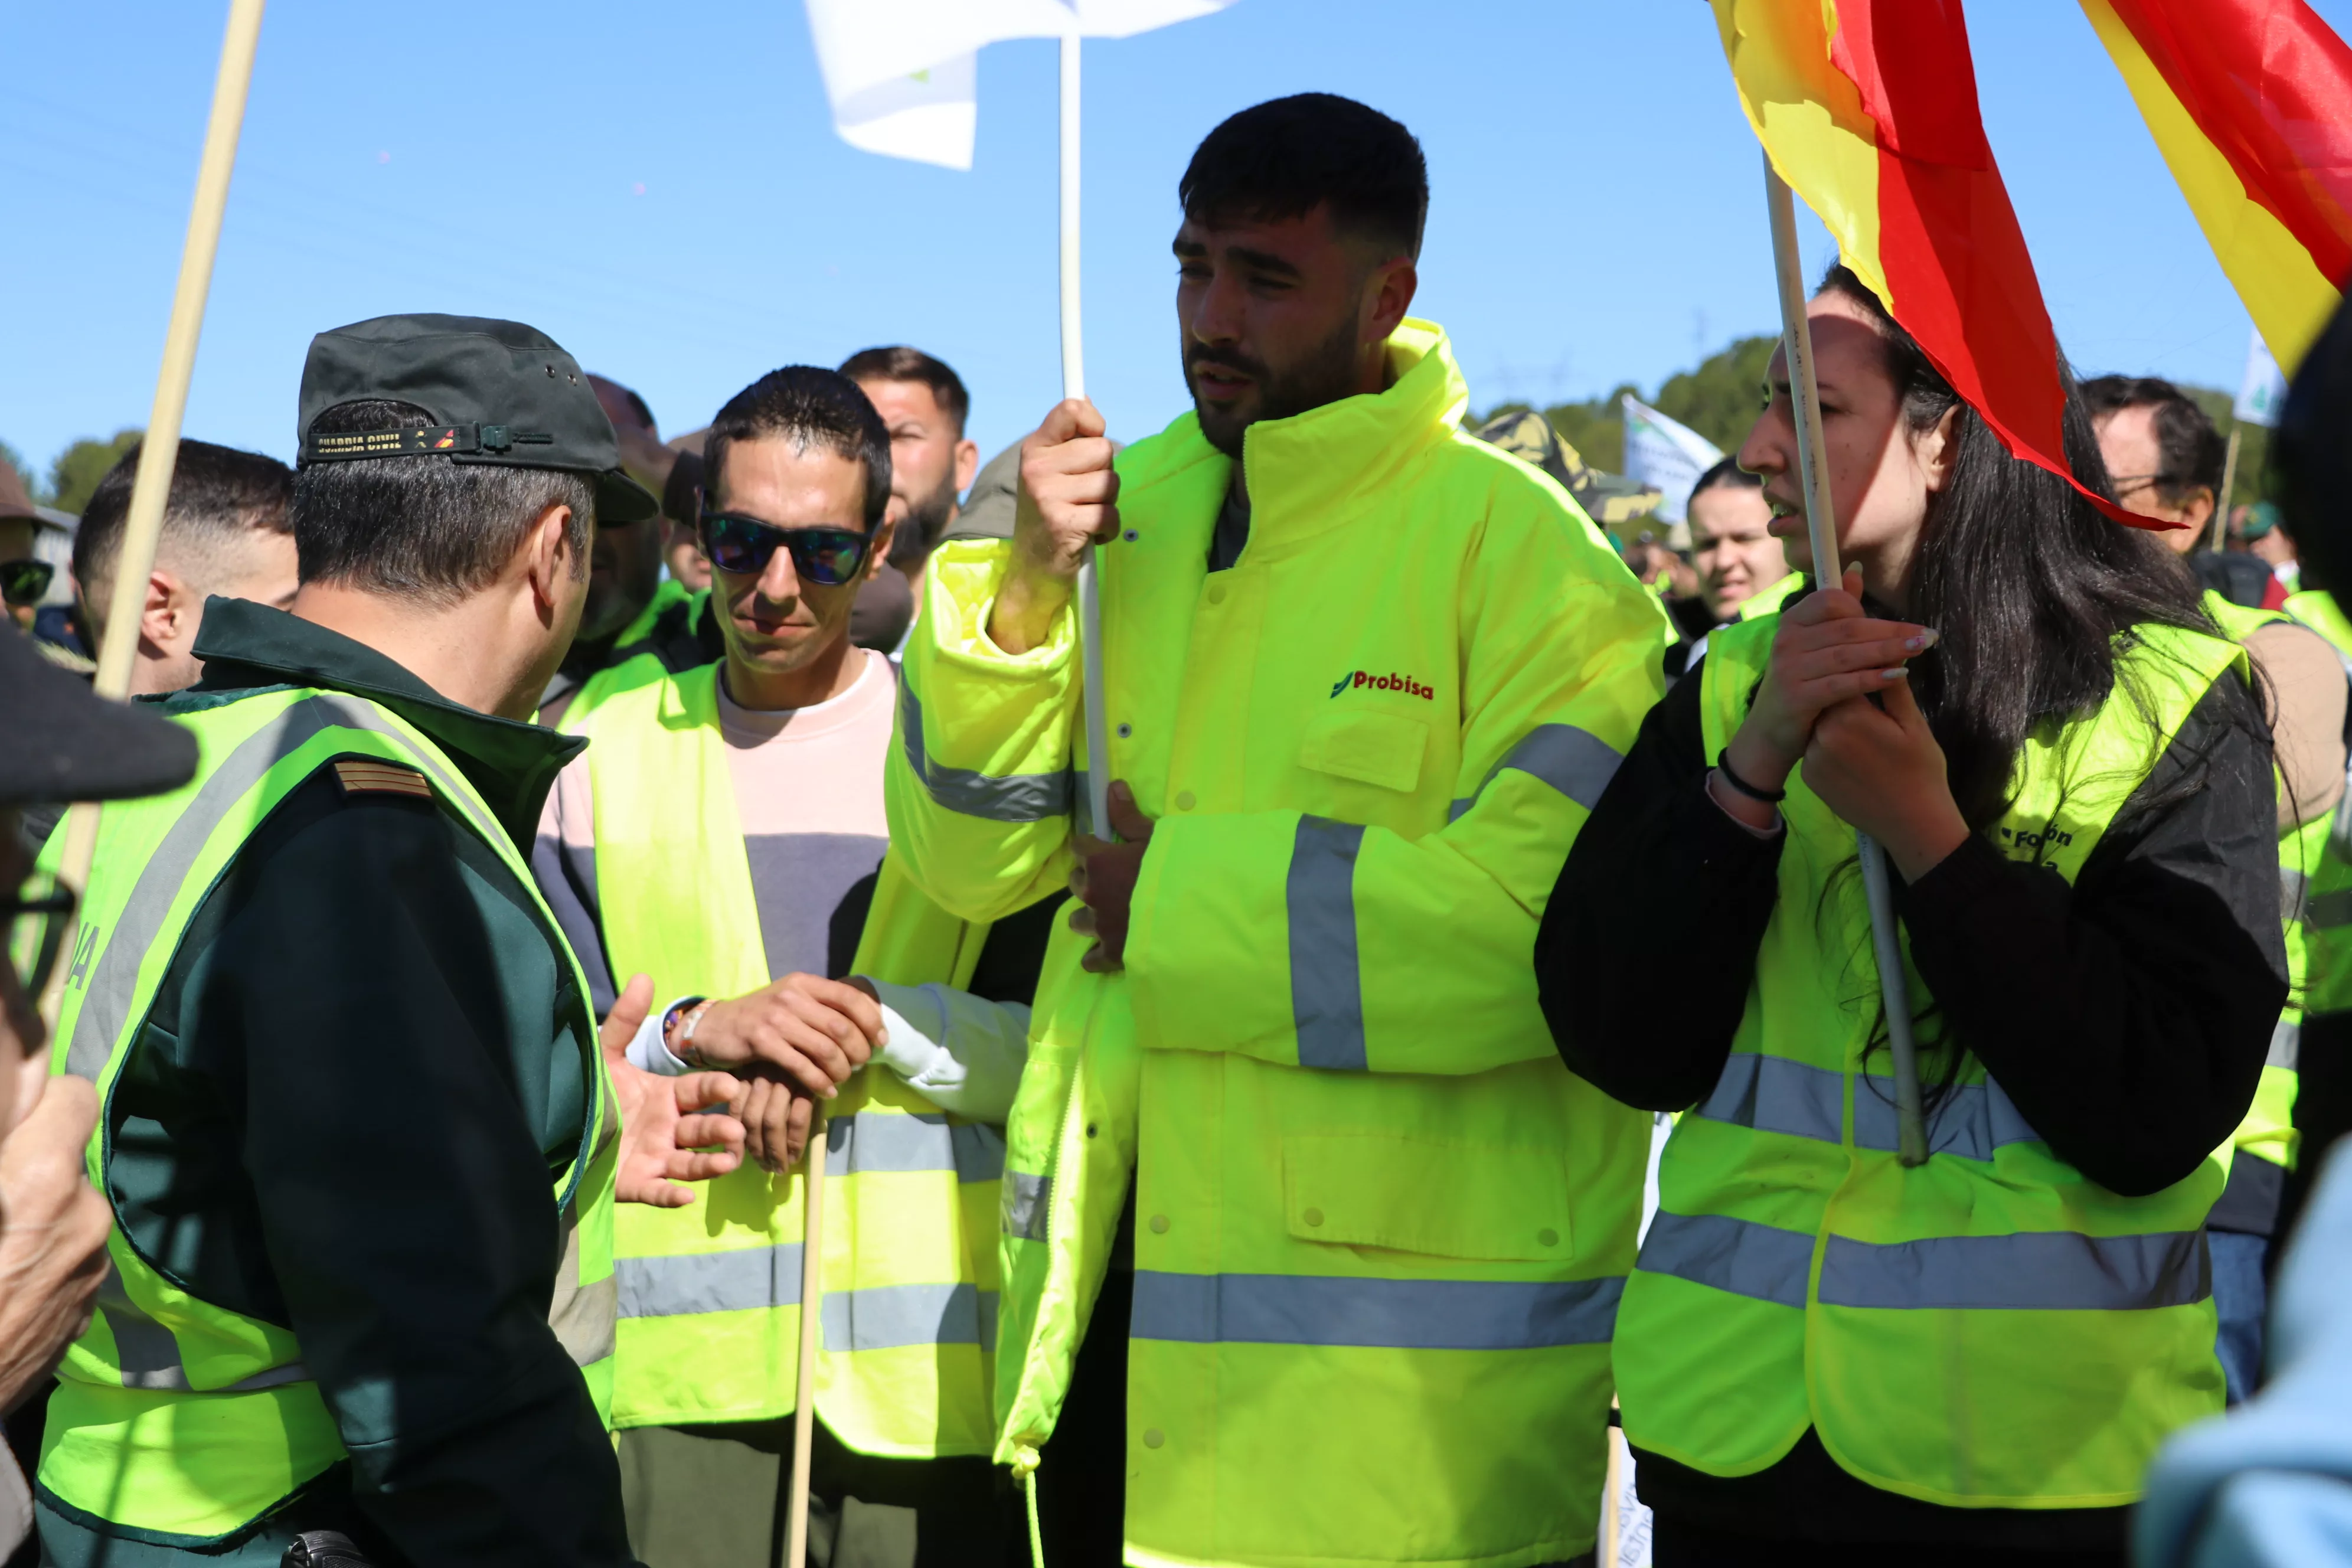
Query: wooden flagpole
[[1820, 525], [159, 448], [812, 1320]]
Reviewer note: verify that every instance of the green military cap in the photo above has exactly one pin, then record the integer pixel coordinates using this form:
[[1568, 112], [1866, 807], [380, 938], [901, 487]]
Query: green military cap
[[1609, 500], [496, 392]]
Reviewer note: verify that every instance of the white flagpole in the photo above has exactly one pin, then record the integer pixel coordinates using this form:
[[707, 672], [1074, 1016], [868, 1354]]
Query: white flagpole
[[1074, 384], [811, 1324], [1821, 524]]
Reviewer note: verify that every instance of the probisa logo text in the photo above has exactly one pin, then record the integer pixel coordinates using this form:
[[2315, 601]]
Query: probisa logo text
[[1405, 683]]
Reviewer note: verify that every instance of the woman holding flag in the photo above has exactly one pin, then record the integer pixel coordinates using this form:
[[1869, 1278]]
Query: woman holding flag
[[1971, 1359]]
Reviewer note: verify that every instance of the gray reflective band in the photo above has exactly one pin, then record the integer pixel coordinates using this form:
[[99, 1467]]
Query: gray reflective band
[[1773, 1094], [2329, 910], [1753, 1260], [759, 1278], [1391, 1314], [691, 1282], [1022, 1209], [2042, 1271], [1009, 797], [2293, 888], [925, 1141], [106, 1000], [1326, 998], [1577, 762], [2286, 1045], [149, 1357], [2028, 1271], [884, 1316]]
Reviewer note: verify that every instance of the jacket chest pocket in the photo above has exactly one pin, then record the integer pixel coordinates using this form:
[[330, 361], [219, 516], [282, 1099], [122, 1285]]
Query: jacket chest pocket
[[1384, 750], [1491, 1202]]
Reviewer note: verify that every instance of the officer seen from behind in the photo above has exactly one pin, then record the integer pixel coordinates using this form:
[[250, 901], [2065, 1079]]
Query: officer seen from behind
[[361, 1141]]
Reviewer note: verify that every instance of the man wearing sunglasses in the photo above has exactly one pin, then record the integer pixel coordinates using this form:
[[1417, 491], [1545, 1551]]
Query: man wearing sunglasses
[[725, 831], [24, 578], [63, 743]]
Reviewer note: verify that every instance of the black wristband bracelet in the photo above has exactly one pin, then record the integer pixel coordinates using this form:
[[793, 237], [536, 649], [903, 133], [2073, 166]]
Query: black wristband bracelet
[[1723, 766]]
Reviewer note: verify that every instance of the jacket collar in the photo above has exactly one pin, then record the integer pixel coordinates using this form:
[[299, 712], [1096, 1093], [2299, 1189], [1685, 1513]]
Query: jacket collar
[[1303, 471], [246, 646]]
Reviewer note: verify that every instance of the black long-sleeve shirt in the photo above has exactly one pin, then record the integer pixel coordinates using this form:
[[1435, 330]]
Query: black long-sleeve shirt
[[344, 1115], [2127, 1015]]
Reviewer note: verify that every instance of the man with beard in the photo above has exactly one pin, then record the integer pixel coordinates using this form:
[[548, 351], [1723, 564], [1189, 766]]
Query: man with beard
[[924, 405], [1292, 1138]]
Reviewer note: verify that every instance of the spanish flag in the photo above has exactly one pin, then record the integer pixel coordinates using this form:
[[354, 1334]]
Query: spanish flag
[[2251, 104], [1868, 108]]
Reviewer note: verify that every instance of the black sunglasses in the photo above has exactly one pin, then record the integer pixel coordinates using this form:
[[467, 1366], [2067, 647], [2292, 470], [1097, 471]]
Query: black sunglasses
[[24, 582], [826, 556], [38, 924]]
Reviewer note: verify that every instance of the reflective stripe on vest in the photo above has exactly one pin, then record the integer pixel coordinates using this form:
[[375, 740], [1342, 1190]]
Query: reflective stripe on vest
[[1795, 1259], [708, 1293], [1395, 1314], [128, 1444], [1013, 797]]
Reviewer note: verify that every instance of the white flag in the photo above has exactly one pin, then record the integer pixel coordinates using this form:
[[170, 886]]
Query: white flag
[[1666, 455], [2263, 390], [903, 75]]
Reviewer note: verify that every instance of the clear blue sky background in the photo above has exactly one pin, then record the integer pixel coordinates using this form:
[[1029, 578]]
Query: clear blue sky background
[[659, 188]]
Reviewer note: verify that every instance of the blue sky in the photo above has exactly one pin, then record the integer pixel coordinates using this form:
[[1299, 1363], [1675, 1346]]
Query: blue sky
[[660, 189]]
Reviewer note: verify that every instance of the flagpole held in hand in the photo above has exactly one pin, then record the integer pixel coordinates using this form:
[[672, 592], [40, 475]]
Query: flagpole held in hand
[[1821, 527], [812, 1318], [1074, 384], [158, 450]]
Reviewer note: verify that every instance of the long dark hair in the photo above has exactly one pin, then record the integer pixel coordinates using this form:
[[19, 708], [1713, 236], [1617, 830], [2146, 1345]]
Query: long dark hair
[[2030, 587]]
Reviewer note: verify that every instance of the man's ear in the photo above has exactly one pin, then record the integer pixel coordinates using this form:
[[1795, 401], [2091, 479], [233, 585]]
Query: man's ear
[[171, 606], [967, 464], [2198, 510], [1388, 297], [877, 555], [549, 561], [1938, 449]]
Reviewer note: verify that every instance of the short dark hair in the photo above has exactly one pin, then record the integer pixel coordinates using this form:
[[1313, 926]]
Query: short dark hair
[[2191, 451], [1726, 474], [423, 526], [1284, 158], [218, 494], [900, 362], [810, 406]]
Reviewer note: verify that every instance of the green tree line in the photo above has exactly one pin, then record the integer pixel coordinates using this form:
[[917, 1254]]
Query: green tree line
[[74, 473], [1718, 398]]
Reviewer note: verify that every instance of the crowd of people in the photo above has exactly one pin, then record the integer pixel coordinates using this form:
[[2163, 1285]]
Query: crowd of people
[[538, 844]]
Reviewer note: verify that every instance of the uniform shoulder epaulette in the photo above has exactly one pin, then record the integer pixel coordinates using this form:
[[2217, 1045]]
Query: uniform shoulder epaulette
[[368, 776]]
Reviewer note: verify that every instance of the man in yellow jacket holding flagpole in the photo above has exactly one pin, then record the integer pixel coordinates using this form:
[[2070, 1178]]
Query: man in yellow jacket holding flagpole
[[1365, 678]]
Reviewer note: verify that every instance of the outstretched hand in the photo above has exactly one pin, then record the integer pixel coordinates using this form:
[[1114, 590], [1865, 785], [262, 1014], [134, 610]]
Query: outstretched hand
[[667, 1130]]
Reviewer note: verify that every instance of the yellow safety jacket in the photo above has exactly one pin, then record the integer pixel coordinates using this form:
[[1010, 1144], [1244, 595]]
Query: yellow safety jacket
[[1769, 601], [1988, 1330], [175, 1418], [632, 651], [710, 1298], [2326, 895], [1380, 1228], [2268, 1132]]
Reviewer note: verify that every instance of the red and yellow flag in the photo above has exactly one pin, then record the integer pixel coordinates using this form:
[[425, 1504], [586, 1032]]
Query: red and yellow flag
[[1868, 108], [2251, 104]]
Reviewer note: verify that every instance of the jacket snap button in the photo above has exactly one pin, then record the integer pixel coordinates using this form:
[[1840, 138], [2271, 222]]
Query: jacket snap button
[[1131, 536], [1216, 593], [1125, 731], [1160, 1225], [1184, 800], [1313, 1216], [1548, 1237], [1153, 1437], [1090, 1129]]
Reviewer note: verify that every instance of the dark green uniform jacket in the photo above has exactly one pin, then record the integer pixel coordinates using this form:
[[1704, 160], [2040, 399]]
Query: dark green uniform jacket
[[344, 1117]]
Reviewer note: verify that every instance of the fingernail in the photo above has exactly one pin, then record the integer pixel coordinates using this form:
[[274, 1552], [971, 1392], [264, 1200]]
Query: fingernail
[[1927, 638], [1890, 675]]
